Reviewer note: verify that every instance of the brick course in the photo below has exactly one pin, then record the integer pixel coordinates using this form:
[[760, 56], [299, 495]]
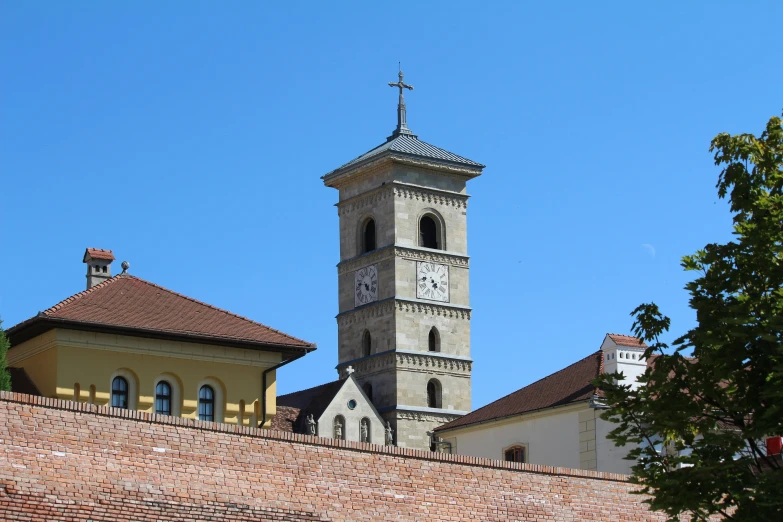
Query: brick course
[[61, 461]]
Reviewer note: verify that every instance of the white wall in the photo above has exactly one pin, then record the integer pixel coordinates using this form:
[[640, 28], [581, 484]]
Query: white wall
[[552, 437], [610, 457], [353, 418]]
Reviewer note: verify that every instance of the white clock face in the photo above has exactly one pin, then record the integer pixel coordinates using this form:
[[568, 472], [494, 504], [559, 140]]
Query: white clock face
[[432, 281], [365, 285]]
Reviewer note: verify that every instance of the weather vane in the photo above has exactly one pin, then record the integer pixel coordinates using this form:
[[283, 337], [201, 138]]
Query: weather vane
[[402, 127]]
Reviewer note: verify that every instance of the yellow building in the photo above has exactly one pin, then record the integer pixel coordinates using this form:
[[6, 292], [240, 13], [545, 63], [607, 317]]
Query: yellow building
[[129, 343]]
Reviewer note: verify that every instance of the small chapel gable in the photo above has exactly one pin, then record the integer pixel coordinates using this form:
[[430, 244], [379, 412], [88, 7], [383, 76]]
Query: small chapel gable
[[335, 410]]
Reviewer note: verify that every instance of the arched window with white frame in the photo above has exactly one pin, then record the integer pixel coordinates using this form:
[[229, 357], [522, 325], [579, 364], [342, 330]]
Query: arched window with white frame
[[123, 387], [211, 400]]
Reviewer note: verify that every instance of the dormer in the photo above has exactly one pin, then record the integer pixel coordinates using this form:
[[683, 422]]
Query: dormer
[[624, 354], [98, 265]]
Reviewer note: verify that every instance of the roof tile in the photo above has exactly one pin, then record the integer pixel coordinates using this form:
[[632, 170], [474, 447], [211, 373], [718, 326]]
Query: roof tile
[[626, 340], [99, 253], [128, 301], [571, 384]]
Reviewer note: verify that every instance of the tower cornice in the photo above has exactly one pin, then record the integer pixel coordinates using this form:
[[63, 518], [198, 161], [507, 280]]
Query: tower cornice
[[413, 253], [377, 308], [430, 362], [350, 174], [402, 189]]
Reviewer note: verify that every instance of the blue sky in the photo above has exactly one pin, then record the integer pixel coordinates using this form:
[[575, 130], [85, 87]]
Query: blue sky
[[190, 137]]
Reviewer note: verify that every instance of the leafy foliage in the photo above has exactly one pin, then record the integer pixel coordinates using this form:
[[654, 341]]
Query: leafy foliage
[[5, 377], [697, 424]]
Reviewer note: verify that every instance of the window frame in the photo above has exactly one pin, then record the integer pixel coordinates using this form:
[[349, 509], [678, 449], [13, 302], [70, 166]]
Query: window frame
[[168, 397], [517, 448], [120, 393], [365, 227], [440, 229], [433, 340], [366, 343], [219, 397], [437, 395], [133, 387], [206, 401]]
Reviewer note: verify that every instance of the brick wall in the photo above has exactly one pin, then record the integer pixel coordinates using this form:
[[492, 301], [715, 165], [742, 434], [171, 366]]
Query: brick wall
[[61, 460]]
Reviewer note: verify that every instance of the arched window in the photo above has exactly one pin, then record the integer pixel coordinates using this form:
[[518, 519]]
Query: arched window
[[163, 398], [433, 394], [366, 344], [514, 454], [369, 236], [434, 340], [367, 387], [339, 427], [428, 233], [119, 392], [206, 403]]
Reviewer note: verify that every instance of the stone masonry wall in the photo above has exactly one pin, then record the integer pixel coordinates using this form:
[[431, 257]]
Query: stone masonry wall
[[61, 460]]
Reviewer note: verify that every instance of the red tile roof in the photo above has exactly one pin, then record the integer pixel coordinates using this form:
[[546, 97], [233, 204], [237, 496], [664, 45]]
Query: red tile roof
[[126, 302], [626, 340], [99, 253], [569, 385], [285, 419]]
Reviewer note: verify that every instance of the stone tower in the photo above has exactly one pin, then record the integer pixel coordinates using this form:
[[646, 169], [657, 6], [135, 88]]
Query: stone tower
[[404, 307]]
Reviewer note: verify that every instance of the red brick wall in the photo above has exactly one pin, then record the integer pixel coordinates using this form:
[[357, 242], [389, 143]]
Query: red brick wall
[[61, 460]]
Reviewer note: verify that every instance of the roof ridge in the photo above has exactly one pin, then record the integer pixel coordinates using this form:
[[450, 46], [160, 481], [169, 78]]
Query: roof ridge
[[213, 307], [543, 379], [79, 295]]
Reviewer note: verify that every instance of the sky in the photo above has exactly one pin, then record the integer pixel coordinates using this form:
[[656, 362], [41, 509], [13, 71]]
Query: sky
[[190, 138]]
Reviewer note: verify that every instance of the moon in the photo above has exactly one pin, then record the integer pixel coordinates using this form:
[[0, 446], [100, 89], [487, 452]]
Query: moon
[[650, 249]]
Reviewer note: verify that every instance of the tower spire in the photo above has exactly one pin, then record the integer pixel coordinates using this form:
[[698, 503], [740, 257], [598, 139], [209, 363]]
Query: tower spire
[[402, 126]]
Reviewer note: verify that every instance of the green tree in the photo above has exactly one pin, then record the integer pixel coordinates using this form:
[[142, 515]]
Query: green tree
[[697, 424], [5, 377]]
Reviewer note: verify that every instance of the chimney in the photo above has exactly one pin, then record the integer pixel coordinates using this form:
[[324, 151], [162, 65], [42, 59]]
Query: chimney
[[624, 354], [98, 265]]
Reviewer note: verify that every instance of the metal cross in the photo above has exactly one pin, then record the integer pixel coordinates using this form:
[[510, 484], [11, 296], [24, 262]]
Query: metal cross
[[402, 85], [402, 126]]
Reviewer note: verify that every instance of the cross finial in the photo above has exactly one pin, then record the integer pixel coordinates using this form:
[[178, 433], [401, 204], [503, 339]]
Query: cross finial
[[349, 370], [402, 127]]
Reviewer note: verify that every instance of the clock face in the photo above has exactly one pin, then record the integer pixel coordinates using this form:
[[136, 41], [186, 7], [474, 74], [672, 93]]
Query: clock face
[[365, 285], [432, 281]]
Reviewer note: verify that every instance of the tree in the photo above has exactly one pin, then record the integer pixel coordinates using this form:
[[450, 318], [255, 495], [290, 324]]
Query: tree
[[697, 423], [5, 377]]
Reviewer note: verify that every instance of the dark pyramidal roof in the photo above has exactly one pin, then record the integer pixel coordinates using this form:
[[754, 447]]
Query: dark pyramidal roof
[[410, 145]]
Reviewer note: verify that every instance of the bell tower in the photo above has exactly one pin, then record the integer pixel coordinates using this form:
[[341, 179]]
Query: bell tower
[[404, 306]]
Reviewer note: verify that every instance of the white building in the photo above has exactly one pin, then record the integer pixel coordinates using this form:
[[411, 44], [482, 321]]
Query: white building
[[551, 421]]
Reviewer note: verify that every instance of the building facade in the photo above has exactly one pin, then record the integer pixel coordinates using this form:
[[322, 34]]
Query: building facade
[[554, 421], [128, 343], [403, 278]]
